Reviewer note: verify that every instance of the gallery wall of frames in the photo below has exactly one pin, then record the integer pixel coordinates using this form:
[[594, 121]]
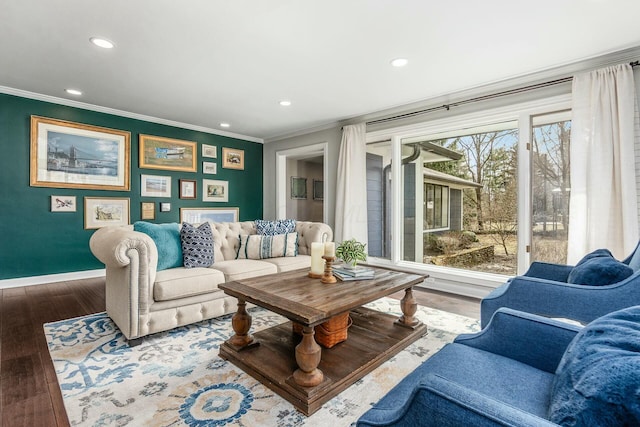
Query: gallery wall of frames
[[67, 171]]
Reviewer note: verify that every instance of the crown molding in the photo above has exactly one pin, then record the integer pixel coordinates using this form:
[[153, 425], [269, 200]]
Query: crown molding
[[128, 114]]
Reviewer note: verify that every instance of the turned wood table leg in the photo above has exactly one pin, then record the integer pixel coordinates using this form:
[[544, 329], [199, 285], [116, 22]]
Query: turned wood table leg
[[241, 322], [308, 354], [409, 307]]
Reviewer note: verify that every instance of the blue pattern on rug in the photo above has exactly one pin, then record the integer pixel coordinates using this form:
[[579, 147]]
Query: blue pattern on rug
[[176, 378]]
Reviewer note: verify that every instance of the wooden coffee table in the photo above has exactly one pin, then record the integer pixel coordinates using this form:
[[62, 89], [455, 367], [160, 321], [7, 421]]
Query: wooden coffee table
[[299, 370]]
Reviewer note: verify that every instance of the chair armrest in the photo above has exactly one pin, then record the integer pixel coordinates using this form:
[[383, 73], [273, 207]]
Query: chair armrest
[[438, 402], [534, 340], [309, 232], [546, 270], [111, 245]]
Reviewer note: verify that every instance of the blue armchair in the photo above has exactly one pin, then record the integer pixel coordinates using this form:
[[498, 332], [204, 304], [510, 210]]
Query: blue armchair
[[544, 290], [524, 370]]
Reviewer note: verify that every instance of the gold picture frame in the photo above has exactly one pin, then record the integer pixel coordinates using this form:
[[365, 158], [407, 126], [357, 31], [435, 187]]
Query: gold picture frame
[[148, 210], [74, 155], [232, 158], [157, 152]]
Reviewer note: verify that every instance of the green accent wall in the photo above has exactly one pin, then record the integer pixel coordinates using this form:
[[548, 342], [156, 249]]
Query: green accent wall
[[36, 241]]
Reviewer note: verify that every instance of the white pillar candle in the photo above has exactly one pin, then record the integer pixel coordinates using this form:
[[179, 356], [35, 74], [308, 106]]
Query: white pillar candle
[[317, 263], [330, 249]]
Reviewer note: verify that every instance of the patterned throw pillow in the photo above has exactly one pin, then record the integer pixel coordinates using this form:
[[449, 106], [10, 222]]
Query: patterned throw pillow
[[258, 246], [271, 228], [197, 245]]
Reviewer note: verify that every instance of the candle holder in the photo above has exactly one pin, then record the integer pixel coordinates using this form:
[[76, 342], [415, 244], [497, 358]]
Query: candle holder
[[328, 270]]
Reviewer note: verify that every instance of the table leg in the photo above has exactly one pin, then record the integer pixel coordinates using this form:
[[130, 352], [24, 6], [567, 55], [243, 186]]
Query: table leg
[[308, 354], [241, 322], [409, 307]]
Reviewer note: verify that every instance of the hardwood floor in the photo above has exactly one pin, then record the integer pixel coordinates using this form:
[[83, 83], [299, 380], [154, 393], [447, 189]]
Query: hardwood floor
[[29, 392]]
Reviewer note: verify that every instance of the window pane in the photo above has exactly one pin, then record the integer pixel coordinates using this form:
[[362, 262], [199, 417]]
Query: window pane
[[551, 190], [469, 185]]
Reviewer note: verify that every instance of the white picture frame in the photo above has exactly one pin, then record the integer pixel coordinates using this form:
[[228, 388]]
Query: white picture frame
[[209, 168], [210, 151], [103, 211], [215, 191], [155, 186], [63, 204]]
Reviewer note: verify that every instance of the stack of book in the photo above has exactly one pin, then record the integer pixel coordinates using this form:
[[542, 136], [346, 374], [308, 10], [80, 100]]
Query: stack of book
[[349, 273]]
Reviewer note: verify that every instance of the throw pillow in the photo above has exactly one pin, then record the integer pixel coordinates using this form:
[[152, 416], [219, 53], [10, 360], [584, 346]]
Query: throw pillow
[[596, 382], [271, 228], [595, 254], [167, 240], [599, 271], [197, 245], [258, 246]]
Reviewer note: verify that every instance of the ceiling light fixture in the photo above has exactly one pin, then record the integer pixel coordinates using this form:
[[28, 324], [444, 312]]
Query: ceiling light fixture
[[103, 43], [73, 92], [399, 62], [285, 103], [224, 125]]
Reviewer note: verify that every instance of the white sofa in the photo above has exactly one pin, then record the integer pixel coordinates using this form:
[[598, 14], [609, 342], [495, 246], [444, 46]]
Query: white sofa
[[143, 301]]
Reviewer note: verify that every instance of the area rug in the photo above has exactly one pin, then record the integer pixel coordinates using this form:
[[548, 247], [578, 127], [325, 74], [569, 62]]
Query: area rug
[[176, 378]]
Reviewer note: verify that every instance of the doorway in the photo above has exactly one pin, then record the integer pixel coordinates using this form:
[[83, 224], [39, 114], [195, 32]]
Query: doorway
[[301, 183]]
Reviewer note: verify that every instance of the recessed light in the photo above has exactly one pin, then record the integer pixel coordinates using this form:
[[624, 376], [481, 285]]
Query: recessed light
[[224, 125], [285, 103], [399, 62], [73, 92], [103, 43]]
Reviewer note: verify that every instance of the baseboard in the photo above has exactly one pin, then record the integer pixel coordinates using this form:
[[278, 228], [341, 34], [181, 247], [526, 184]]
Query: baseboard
[[51, 278]]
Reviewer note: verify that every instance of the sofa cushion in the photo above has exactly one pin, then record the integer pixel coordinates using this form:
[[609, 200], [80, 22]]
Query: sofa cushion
[[595, 254], [599, 271], [238, 269], [167, 240], [597, 379], [197, 245], [185, 282], [271, 228], [258, 246], [290, 263]]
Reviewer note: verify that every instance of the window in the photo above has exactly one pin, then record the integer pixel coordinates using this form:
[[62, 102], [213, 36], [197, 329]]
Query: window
[[487, 192], [436, 207]]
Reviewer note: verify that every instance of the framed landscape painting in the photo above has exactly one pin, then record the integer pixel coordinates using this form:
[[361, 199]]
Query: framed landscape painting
[[155, 186], [157, 152], [215, 191], [103, 211], [200, 215], [73, 155], [232, 158]]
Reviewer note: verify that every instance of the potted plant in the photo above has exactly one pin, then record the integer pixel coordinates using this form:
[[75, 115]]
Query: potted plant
[[351, 251]]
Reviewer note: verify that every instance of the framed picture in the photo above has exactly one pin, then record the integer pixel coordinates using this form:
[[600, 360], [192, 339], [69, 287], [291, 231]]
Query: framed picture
[[63, 203], [318, 190], [155, 186], [209, 151], [73, 155], [157, 152], [103, 211], [165, 207], [187, 189], [209, 168], [215, 191], [148, 210], [232, 158], [298, 187], [200, 215]]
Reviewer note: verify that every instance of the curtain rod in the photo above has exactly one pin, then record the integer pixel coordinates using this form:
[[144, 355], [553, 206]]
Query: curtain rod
[[481, 98]]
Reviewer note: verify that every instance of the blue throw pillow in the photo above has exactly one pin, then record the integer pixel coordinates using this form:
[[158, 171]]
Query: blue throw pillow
[[167, 240], [599, 271], [595, 254], [598, 379], [272, 228], [197, 245]]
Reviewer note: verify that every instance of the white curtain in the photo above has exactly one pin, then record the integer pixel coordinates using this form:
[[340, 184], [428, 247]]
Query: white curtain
[[603, 207], [351, 189]]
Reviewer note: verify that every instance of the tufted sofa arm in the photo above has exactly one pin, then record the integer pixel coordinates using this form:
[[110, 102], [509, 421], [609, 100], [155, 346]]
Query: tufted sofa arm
[[309, 232]]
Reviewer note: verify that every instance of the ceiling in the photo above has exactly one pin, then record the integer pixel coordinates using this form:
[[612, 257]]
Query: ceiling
[[203, 62]]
